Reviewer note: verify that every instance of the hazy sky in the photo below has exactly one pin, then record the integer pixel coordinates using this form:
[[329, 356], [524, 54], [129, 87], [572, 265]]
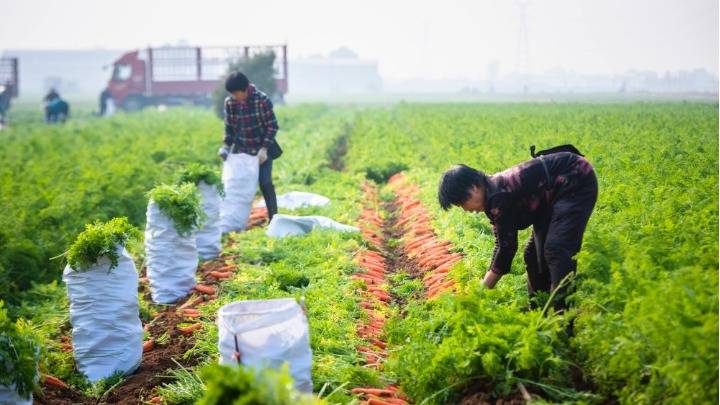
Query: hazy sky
[[431, 39]]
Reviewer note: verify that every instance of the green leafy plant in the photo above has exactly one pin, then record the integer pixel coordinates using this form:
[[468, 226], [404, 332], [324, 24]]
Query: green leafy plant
[[289, 278], [100, 239], [240, 385], [181, 204], [20, 353], [196, 172]]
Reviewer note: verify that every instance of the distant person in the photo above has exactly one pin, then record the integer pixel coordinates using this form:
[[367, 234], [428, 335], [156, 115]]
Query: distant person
[[5, 95], [250, 127], [56, 109], [107, 105], [555, 192]]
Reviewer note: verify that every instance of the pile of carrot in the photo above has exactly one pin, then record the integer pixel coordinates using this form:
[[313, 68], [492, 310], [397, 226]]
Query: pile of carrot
[[420, 243], [258, 216], [375, 296]]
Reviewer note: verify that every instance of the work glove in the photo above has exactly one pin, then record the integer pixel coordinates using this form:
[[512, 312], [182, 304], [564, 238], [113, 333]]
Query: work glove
[[223, 152], [262, 155]]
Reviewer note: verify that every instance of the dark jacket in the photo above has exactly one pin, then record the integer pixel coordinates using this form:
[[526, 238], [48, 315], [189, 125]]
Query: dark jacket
[[523, 195]]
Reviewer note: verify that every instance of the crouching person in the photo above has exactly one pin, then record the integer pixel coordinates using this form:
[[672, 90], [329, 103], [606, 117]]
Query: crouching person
[[554, 192]]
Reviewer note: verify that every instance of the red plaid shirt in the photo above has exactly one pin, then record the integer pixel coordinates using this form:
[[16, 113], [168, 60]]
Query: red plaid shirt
[[251, 124]]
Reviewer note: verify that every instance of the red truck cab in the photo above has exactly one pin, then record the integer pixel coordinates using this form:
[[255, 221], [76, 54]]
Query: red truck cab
[[128, 82]]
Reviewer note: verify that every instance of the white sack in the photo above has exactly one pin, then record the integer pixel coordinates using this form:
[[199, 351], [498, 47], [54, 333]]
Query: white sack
[[289, 225], [8, 395], [298, 199], [208, 236], [269, 333], [170, 258], [240, 177], [107, 334]]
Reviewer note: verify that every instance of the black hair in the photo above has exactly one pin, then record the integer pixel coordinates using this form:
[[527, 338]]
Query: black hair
[[456, 183], [236, 81]]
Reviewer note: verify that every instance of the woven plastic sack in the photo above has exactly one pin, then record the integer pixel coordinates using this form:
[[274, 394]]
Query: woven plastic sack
[[208, 237], [107, 334], [267, 333], [171, 259], [240, 177], [290, 225]]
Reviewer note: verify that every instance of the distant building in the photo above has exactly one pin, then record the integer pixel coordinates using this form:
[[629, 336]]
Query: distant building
[[341, 72], [74, 73]]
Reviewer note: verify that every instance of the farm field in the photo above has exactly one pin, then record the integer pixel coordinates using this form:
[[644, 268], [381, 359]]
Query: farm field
[[385, 311]]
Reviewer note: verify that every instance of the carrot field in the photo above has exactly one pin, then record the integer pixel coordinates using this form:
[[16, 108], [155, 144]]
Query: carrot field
[[397, 313]]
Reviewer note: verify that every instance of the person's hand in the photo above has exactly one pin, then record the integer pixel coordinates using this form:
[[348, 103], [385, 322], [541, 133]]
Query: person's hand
[[262, 155], [491, 278], [223, 152]]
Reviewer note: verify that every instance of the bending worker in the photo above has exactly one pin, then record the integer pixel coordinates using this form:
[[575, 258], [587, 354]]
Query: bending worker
[[555, 192], [250, 127]]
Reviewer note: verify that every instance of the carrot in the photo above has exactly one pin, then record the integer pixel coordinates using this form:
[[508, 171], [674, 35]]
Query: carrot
[[433, 277], [148, 345], [191, 302], [373, 401], [205, 289], [227, 268], [373, 254], [395, 401], [188, 330], [53, 381], [372, 259], [367, 305], [379, 343], [221, 274], [156, 400], [191, 315], [372, 391]]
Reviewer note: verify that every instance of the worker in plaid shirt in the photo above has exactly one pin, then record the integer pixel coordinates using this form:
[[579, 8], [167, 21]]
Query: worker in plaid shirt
[[250, 127]]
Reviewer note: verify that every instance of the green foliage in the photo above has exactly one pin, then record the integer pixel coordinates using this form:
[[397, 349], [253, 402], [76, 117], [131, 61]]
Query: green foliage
[[196, 172], [100, 239], [21, 264], [381, 174], [56, 179], [186, 389], [646, 292], [480, 338], [180, 203], [240, 386], [259, 69], [646, 324], [20, 353], [289, 278]]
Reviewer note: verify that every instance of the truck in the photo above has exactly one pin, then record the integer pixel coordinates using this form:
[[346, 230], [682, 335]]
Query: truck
[[8, 86], [182, 75]]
